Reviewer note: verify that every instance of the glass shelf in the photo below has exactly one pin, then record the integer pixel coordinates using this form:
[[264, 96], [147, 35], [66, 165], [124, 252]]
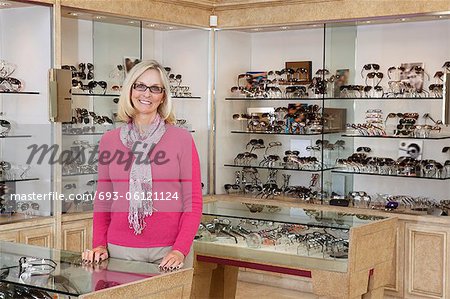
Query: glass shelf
[[328, 99], [16, 136], [78, 174], [389, 175], [276, 133], [272, 99], [285, 215], [19, 92], [19, 180], [279, 168], [187, 98], [96, 95], [84, 134], [384, 98], [396, 137]]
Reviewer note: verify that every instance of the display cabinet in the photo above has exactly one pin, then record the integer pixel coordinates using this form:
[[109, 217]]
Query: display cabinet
[[99, 49], [329, 247], [25, 57], [31, 271], [340, 114]]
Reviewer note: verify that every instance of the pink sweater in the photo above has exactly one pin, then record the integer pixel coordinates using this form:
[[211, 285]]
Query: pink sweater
[[176, 178]]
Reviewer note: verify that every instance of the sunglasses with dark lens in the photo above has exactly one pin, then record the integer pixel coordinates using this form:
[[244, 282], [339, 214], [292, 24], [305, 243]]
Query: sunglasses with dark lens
[[368, 67], [295, 153], [364, 149], [407, 121], [374, 74], [155, 89], [230, 186], [445, 149], [322, 72], [438, 74], [406, 127], [167, 69], [369, 88], [6, 125], [70, 186]]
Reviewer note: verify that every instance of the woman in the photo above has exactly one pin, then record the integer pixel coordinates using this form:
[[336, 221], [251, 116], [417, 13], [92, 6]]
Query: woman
[[148, 158]]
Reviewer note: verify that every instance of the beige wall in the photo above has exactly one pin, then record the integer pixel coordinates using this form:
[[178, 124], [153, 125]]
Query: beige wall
[[311, 11], [162, 11], [247, 13]]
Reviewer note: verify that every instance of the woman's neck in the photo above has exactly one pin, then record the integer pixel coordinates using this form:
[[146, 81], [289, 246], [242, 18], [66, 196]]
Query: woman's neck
[[143, 121]]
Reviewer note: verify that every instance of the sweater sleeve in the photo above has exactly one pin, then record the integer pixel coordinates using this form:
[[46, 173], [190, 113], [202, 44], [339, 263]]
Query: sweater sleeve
[[102, 207], [192, 200]]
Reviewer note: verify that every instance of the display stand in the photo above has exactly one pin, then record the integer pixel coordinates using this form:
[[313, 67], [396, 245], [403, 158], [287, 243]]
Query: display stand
[[364, 273]]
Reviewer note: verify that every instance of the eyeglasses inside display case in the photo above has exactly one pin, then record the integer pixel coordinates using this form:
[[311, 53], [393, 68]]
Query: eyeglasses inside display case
[[291, 231], [35, 272]]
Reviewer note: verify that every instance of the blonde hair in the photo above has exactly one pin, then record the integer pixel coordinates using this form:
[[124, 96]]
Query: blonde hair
[[126, 110]]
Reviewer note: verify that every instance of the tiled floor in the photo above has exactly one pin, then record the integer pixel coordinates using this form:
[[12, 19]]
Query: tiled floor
[[247, 290]]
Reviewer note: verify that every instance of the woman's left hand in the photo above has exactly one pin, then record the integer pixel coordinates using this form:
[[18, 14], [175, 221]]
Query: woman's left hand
[[172, 261]]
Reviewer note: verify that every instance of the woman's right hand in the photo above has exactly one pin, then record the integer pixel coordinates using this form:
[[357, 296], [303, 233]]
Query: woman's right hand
[[96, 255]]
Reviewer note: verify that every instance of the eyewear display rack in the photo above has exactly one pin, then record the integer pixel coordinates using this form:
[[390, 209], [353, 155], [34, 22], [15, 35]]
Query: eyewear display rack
[[25, 55], [247, 136]]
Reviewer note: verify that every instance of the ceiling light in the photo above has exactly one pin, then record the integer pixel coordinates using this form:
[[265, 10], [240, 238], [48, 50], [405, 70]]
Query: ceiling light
[[170, 27], [152, 25], [255, 29], [403, 19], [5, 4], [284, 28], [368, 22], [99, 17], [441, 17], [72, 14], [131, 22]]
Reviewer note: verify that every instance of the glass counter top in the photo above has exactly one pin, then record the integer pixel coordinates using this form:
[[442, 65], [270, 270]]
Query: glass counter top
[[69, 277], [265, 211]]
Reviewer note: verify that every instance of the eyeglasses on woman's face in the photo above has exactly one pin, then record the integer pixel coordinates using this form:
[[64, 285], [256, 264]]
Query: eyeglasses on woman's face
[[155, 89]]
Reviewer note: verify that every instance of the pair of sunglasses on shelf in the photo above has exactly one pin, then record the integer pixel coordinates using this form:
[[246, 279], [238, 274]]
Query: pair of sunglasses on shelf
[[90, 86]]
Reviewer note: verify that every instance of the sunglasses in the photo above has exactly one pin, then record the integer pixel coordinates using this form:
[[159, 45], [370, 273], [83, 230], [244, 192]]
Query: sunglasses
[[376, 88], [295, 153], [91, 182], [155, 89], [445, 149], [231, 186], [368, 67], [373, 75], [364, 149], [7, 127], [438, 74], [14, 84]]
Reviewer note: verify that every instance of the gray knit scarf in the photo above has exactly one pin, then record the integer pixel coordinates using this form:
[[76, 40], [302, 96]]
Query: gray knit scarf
[[141, 173]]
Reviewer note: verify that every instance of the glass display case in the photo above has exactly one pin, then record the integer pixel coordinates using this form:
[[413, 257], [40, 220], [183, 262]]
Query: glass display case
[[339, 252], [25, 57], [35, 272], [345, 114], [293, 237], [100, 50]]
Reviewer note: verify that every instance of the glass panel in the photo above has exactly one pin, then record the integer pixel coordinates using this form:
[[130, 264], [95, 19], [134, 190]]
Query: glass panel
[[24, 181], [67, 276], [267, 109], [96, 51], [393, 101], [309, 217]]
